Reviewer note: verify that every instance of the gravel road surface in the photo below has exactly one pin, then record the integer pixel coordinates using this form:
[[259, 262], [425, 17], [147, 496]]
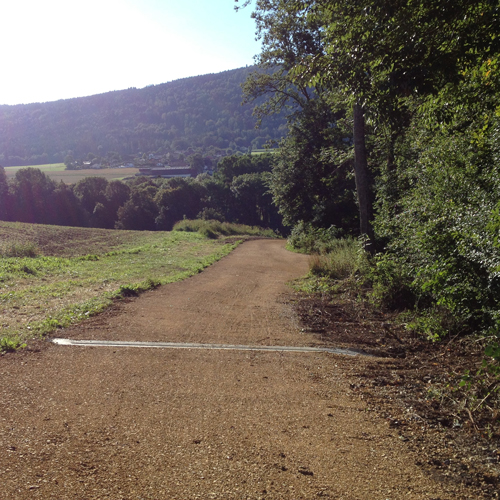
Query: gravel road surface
[[128, 423]]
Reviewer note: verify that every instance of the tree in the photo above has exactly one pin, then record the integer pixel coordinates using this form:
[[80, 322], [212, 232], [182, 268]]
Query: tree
[[32, 194], [178, 198], [140, 210], [217, 199], [234, 165], [67, 208], [196, 162], [375, 58], [310, 181], [117, 193], [69, 161], [4, 195], [91, 191], [254, 202], [293, 32]]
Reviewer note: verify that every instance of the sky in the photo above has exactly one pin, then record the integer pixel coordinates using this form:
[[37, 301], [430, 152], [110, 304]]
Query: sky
[[59, 49]]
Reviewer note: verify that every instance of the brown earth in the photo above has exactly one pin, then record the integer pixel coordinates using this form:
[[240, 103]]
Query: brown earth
[[130, 423], [416, 388]]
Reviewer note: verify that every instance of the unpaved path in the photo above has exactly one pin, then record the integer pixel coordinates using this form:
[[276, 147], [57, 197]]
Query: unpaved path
[[125, 423]]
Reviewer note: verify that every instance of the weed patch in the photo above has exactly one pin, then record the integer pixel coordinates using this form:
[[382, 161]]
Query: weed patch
[[10, 345]]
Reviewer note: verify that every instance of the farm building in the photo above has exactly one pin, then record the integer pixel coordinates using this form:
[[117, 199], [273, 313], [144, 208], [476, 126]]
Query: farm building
[[167, 172]]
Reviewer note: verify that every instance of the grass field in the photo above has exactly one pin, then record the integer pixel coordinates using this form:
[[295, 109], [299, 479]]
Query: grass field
[[57, 172], [78, 272]]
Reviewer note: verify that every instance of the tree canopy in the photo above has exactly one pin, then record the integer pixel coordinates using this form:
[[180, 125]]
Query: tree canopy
[[414, 90], [377, 58]]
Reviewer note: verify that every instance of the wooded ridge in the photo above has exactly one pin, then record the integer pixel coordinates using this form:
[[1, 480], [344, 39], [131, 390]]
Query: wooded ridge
[[202, 112]]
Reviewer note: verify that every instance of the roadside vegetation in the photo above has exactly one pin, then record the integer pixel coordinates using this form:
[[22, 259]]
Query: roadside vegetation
[[463, 391], [393, 140], [52, 277], [215, 229]]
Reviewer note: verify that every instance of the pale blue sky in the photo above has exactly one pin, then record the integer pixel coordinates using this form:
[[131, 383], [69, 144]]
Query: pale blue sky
[[58, 49]]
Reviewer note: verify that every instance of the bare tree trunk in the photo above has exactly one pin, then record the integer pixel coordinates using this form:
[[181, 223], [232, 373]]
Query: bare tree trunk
[[362, 176]]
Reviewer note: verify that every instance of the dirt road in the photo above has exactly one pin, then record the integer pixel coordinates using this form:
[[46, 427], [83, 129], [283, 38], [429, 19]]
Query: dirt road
[[127, 423]]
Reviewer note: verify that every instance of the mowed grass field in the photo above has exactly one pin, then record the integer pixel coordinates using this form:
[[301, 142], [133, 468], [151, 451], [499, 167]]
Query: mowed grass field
[[73, 273], [57, 172]]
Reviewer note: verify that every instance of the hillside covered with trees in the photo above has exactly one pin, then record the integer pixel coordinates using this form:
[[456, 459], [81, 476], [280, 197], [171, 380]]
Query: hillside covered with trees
[[203, 112]]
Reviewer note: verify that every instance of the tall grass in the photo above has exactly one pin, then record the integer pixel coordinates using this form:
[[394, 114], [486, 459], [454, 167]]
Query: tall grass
[[344, 258], [214, 228], [331, 256]]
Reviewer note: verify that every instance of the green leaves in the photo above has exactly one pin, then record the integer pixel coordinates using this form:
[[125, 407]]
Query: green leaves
[[443, 221], [493, 351], [9, 345]]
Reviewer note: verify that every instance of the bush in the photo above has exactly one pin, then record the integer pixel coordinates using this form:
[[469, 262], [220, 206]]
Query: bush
[[443, 231], [391, 284], [309, 239]]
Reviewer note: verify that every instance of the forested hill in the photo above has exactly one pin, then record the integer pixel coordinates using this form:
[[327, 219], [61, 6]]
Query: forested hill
[[202, 111]]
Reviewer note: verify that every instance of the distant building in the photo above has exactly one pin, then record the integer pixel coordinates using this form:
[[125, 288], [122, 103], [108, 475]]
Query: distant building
[[167, 172]]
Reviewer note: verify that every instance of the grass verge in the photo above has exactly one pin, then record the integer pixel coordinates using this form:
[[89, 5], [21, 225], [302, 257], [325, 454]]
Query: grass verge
[[63, 284], [357, 303]]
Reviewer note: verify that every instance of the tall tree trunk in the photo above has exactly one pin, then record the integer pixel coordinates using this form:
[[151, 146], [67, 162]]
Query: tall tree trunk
[[362, 176]]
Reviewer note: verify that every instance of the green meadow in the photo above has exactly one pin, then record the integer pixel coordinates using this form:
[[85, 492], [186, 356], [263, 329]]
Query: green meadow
[[52, 277]]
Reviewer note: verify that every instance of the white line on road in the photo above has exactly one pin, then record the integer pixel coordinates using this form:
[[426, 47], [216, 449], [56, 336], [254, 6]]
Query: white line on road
[[178, 345]]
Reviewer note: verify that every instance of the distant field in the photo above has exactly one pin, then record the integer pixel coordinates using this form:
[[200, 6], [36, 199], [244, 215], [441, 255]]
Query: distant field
[[57, 172]]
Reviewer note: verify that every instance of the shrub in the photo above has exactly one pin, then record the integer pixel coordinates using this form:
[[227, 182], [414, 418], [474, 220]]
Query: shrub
[[309, 239], [392, 285], [441, 224]]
